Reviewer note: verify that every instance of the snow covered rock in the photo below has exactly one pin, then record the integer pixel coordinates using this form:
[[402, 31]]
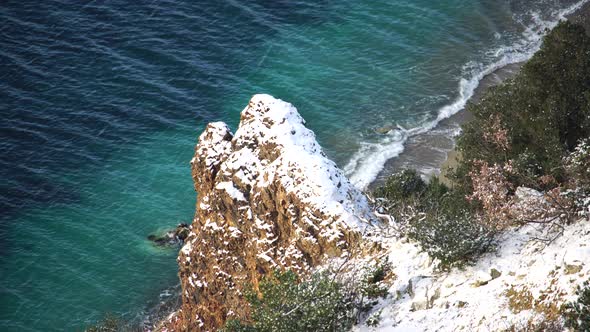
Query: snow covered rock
[[423, 292], [268, 198], [523, 282], [524, 193]]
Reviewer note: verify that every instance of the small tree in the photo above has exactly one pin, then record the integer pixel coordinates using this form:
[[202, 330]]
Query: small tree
[[402, 186], [286, 304], [440, 218], [577, 164]]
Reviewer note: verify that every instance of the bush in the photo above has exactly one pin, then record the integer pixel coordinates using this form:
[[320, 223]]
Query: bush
[[374, 319], [453, 239], [438, 217], [285, 304], [371, 287], [577, 163], [542, 326], [577, 314], [325, 301], [402, 186]]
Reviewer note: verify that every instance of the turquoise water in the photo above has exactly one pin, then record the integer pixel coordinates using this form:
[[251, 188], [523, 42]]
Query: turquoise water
[[102, 105]]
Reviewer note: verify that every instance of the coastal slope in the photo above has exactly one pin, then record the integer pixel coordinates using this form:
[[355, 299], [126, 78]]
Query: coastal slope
[[270, 200]]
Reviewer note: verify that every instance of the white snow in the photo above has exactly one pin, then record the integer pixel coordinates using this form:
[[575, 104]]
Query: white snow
[[470, 299], [231, 190], [272, 144], [302, 167]]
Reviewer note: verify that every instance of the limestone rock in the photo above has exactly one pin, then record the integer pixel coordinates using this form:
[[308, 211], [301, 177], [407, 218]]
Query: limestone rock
[[423, 293], [526, 194], [268, 198], [495, 274], [461, 304], [482, 279], [573, 268]]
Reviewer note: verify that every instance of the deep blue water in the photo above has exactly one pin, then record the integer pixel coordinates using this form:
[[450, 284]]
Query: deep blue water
[[102, 103]]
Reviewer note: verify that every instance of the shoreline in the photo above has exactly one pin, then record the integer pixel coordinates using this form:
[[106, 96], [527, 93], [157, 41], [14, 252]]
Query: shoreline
[[434, 151], [430, 152]]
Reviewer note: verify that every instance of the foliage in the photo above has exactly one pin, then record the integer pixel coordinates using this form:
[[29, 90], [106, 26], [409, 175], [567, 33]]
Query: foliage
[[577, 163], [321, 302], [519, 299], [285, 304], [402, 186], [371, 287], [539, 116], [577, 313], [440, 218], [545, 325], [452, 238], [374, 319], [492, 189]]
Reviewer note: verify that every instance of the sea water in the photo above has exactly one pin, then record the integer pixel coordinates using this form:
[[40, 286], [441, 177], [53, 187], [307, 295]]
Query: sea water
[[102, 103]]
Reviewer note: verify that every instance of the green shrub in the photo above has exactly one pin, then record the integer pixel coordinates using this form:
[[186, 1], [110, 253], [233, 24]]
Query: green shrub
[[316, 304], [454, 239], [439, 218], [577, 163], [321, 302], [577, 313], [374, 319], [402, 186], [371, 287]]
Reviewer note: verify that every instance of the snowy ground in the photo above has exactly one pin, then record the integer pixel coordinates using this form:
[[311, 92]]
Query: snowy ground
[[533, 274]]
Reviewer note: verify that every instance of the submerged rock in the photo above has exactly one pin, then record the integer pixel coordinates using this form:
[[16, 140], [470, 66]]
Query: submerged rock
[[171, 238], [268, 198]]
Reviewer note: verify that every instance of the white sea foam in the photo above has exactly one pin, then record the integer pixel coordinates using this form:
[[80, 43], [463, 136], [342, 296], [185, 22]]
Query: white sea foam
[[366, 164]]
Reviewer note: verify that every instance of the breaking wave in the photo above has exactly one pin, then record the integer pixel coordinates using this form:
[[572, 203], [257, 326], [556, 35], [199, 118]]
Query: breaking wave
[[369, 160]]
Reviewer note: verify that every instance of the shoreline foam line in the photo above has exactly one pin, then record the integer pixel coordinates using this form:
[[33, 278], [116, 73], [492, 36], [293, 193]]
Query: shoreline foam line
[[365, 165]]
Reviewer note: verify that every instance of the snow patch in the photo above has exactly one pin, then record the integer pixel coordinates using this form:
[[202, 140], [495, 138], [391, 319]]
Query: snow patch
[[475, 299]]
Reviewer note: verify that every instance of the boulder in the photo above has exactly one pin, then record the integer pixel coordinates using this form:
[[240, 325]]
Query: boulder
[[171, 238], [495, 274], [423, 293], [573, 268]]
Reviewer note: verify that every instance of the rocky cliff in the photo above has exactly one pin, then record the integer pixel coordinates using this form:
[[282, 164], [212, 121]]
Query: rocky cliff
[[268, 198]]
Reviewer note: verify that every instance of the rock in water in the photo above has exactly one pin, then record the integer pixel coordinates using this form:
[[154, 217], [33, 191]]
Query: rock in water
[[268, 198], [171, 238]]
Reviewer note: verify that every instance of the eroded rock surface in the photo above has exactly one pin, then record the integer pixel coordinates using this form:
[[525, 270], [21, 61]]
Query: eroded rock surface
[[268, 198]]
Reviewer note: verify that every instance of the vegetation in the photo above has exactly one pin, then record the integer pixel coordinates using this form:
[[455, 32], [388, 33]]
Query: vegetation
[[284, 304], [374, 319], [318, 303], [533, 326], [577, 164], [440, 218], [532, 131], [519, 299], [577, 313], [538, 117]]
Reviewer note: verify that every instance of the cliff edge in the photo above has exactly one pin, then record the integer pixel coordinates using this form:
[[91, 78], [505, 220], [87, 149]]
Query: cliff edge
[[268, 198]]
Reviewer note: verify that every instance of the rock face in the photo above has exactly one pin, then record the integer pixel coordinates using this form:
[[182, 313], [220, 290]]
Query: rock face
[[268, 198]]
